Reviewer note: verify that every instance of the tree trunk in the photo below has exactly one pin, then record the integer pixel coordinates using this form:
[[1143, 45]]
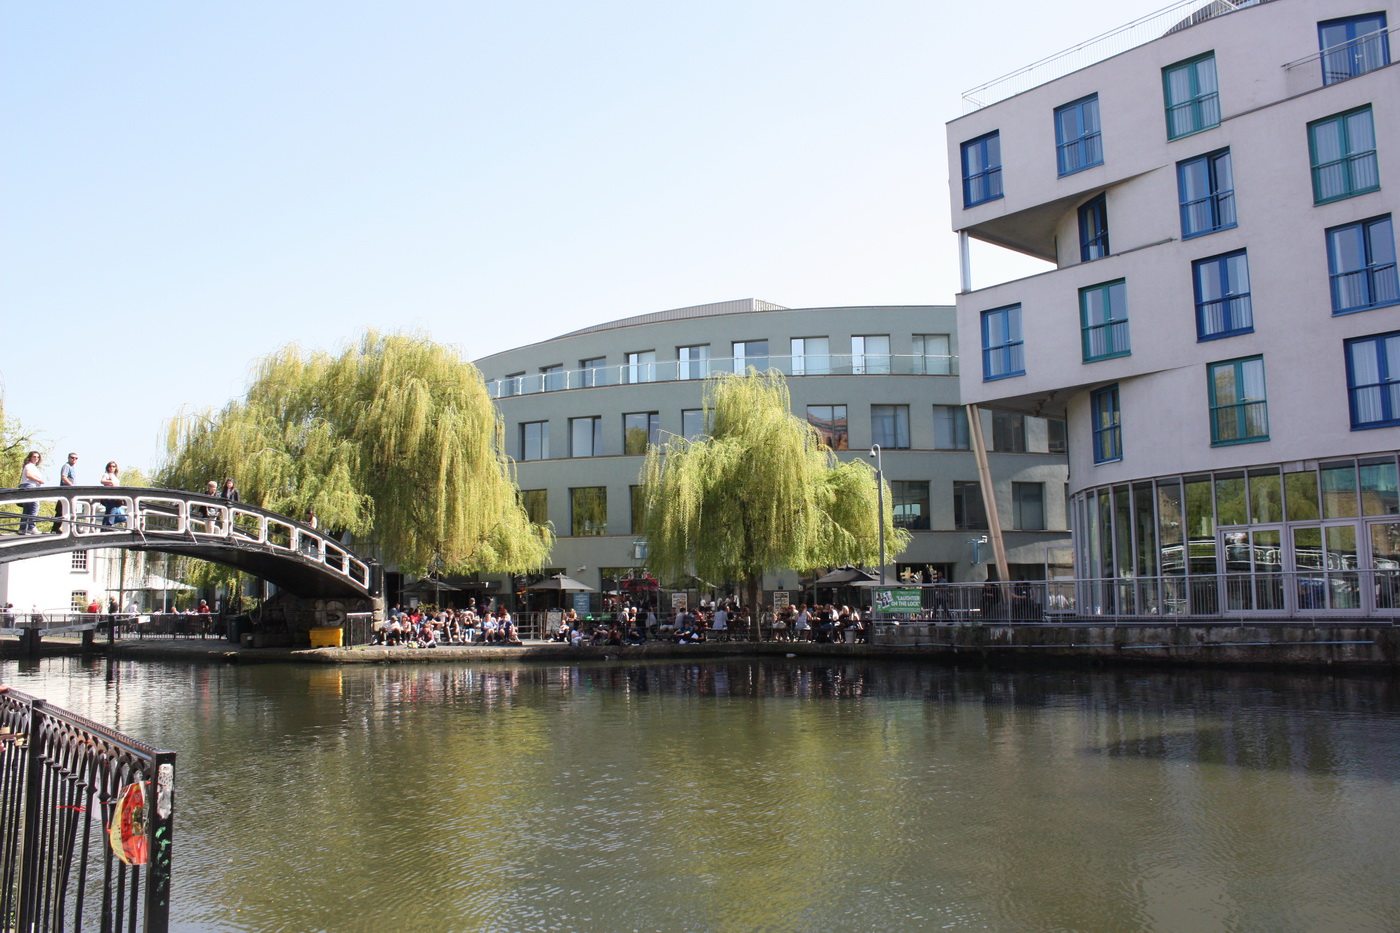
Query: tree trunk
[[752, 587]]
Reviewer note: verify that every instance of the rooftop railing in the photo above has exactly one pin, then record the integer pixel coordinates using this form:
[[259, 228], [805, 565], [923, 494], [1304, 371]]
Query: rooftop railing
[[833, 364], [1130, 35]]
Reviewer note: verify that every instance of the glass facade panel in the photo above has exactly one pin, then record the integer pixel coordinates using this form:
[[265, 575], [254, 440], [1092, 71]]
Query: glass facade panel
[[641, 367], [1300, 495], [1028, 506], [750, 353], [1339, 490], [811, 356], [968, 512], [586, 437], [1380, 487], [950, 431], [693, 362], [933, 355], [640, 429], [870, 354], [1229, 499], [534, 440], [1008, 432], [1265, 497], [889, 426]]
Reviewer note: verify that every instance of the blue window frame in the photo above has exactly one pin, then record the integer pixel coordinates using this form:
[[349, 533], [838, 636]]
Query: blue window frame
[[1343, 153], [1223, 305], [981, 169], [1373, 380], [1206, 190], [1361, 261], [1103, 320], [1239, 406], [1352, 46], [1093, 229], [1003, 354], [1192, 96], [1108, 429], [1078, 144]]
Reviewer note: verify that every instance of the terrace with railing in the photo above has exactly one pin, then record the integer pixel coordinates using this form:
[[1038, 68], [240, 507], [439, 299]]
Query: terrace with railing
[[833, 364]]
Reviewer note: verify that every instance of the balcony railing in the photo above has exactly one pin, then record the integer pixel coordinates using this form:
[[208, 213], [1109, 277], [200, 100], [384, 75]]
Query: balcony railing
[[1138, 32], [833, 364], [1341, 62]]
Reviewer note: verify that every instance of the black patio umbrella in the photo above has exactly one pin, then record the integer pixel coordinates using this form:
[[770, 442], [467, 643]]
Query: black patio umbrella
[[845, 576]]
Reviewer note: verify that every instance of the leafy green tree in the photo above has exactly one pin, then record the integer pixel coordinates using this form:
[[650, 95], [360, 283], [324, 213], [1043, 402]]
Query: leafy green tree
[[759, 493], [395, 439]]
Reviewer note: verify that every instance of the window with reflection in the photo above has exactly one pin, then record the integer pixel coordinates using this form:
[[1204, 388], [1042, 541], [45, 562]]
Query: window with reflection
[[811, 356], [870, 354], [693, 423], [640, 429], [910, 503], [750, 353], [693, 362], [968, 511], [536, 504], [534, 440], [889, 426], [950, 430], [830, 422], [933, 355], [588, 511], [586, 436]]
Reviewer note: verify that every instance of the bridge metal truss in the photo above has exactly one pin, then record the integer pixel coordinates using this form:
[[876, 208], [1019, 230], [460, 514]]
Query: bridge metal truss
[[276, 548]]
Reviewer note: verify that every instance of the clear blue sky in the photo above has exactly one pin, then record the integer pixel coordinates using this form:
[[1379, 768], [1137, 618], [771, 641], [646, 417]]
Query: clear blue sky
[[185, 187]]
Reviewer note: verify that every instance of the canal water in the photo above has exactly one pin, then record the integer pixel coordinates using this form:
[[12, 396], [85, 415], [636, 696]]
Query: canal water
[[763, 795]]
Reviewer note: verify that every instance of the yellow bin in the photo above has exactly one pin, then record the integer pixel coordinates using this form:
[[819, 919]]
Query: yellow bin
[[327, 637]]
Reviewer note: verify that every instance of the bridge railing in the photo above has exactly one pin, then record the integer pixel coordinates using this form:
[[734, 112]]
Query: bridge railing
[[63, 783], [92, 513]]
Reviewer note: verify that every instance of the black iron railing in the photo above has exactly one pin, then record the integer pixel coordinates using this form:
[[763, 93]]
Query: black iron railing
[[64, 782]]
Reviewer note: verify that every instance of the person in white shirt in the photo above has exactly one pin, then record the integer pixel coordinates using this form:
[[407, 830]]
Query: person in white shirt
[[720, 624]]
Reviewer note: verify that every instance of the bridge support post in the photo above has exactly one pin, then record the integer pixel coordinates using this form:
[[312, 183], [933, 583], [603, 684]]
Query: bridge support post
[[29, 642], [88, 638]]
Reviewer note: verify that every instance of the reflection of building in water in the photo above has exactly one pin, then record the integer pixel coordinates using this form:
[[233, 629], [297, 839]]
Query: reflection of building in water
[[1219, 326]]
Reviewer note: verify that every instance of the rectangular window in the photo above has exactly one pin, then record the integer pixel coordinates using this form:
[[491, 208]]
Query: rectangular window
[[1352, 46], [1239, 408], [1002, 350], [534, 440], [1373, 380], [640, 429], [1093, 229], [1361, 260], [641, 367], [77, 601], [1192, 96], [968, 509], [1103, 321], [1343, 153], [1008, 432], [870, 354], [693, 423], [1028, 506], [1223, 306], [693, 362], [586, 437], [1206, 190], [588, 511], [981, 169], [933, 355], [1057, 437], [910, 504], [1077, 142], [536, 503], [750, 353], [553, 377], [1108, 436], [593, 372], [78, 563], [811, 356], [638, 496], [512, 384], [830, 422], [889, 426], [950, 427]]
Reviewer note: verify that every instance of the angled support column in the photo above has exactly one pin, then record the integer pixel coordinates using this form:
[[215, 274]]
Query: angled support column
[[989, 494]]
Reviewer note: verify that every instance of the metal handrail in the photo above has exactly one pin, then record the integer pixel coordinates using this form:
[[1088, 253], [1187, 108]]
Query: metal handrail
[[824, 364], [91, 513]]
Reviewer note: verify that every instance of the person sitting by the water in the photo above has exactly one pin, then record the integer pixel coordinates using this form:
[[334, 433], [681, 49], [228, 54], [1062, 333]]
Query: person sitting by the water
[[427, 636], [576, 637], [509, 636], [561, 634]]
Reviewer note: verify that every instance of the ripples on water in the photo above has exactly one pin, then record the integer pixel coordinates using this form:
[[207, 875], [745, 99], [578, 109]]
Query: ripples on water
[[773, 796]]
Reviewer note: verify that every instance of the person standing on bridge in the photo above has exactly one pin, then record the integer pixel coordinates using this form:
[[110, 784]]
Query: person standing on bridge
[[111, 478], [68, 476], [30, 477], [230, 491]]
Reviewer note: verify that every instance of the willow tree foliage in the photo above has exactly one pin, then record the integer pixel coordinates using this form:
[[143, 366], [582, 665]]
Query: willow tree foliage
[[395, 439], [759, 493]]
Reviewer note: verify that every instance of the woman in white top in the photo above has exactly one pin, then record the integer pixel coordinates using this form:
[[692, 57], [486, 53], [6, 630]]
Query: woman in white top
[[111, 478], [30, 476]]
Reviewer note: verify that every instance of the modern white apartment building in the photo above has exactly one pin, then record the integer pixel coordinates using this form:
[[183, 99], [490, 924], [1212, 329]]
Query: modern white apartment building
[[581, 408], [1221, 328]]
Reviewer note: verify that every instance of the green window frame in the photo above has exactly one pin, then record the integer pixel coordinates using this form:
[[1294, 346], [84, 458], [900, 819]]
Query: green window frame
[[1103, 320], [1239, 405], [1191, 95], [1342, 150]]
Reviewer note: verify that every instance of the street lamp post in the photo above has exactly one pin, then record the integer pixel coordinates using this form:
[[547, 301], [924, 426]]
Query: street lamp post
[[880, 498]]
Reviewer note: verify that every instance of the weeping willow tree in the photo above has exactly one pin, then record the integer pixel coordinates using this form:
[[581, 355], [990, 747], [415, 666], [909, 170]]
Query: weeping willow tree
[[760, 493], [395, 439]]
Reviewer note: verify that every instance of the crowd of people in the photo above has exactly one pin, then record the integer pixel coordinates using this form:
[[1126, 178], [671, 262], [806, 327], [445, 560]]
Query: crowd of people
[[418, 628]]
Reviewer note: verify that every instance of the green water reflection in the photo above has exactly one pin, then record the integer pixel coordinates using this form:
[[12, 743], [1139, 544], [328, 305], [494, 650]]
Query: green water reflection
[[775, 796]]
